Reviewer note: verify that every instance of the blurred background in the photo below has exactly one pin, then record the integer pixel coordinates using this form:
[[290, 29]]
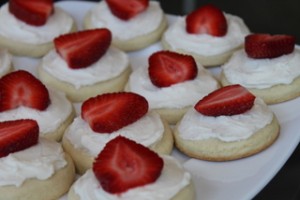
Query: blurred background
[[264, 16]]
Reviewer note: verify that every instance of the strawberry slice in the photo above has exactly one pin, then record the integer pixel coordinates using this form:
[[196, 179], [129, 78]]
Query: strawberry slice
[[20, 88], [229, 100], [83, 48], [167, 68], [128, 9], [17, 135], [32, 12], [124, 164], [110, 112], [269, 46], [207, 19]]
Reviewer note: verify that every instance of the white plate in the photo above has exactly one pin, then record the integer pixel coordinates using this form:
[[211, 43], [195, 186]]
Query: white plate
[[240, 179]]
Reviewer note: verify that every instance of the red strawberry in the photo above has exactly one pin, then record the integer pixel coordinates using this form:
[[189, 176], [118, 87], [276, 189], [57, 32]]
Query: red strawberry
[[33, 12], [109, 112], [167, 68], [126, 10], [207, 19], [269, 46], [124, 164], [17, 135], [229, 100], [20, 88], [83, 48]]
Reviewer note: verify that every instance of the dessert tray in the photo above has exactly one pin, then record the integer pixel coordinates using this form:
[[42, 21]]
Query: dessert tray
[[240, 179]]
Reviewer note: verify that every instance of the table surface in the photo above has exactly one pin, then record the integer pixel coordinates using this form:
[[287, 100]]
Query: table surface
[[286, 183]]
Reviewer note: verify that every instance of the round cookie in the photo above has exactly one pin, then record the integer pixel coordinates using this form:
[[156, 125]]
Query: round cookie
[[172, 182], [211, 47], [84, 160], [34, 189], [217, 150], [257, 75], [49, 172], [103, 68], [228, 124], [141, 31], [29, 40]]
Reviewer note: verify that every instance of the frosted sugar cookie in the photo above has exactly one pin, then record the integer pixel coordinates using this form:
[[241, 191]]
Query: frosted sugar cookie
[[27, 28], [93, 67], [228, 124], [143, 20], [208, 34], [151, 176], [32, 168], [268, 66]]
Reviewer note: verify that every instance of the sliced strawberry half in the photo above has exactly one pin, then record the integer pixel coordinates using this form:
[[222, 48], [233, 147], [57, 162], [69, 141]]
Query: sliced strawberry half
[[110, 112], [167, 68], [207, 19], [229, 100], [20, 88], [83, 48], [33, 12], [17, 135], [124, 164], [128, 9], [269, 46]]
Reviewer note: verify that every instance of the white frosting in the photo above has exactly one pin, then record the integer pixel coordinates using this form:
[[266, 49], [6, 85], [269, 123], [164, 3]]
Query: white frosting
[[195, 126], [48, 120], [204, 44], [172, 179], [142, 24], [176, 96], [5, 61], [262, 73], [147, 131], [109, 66], [11, 27], [40, 161]]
